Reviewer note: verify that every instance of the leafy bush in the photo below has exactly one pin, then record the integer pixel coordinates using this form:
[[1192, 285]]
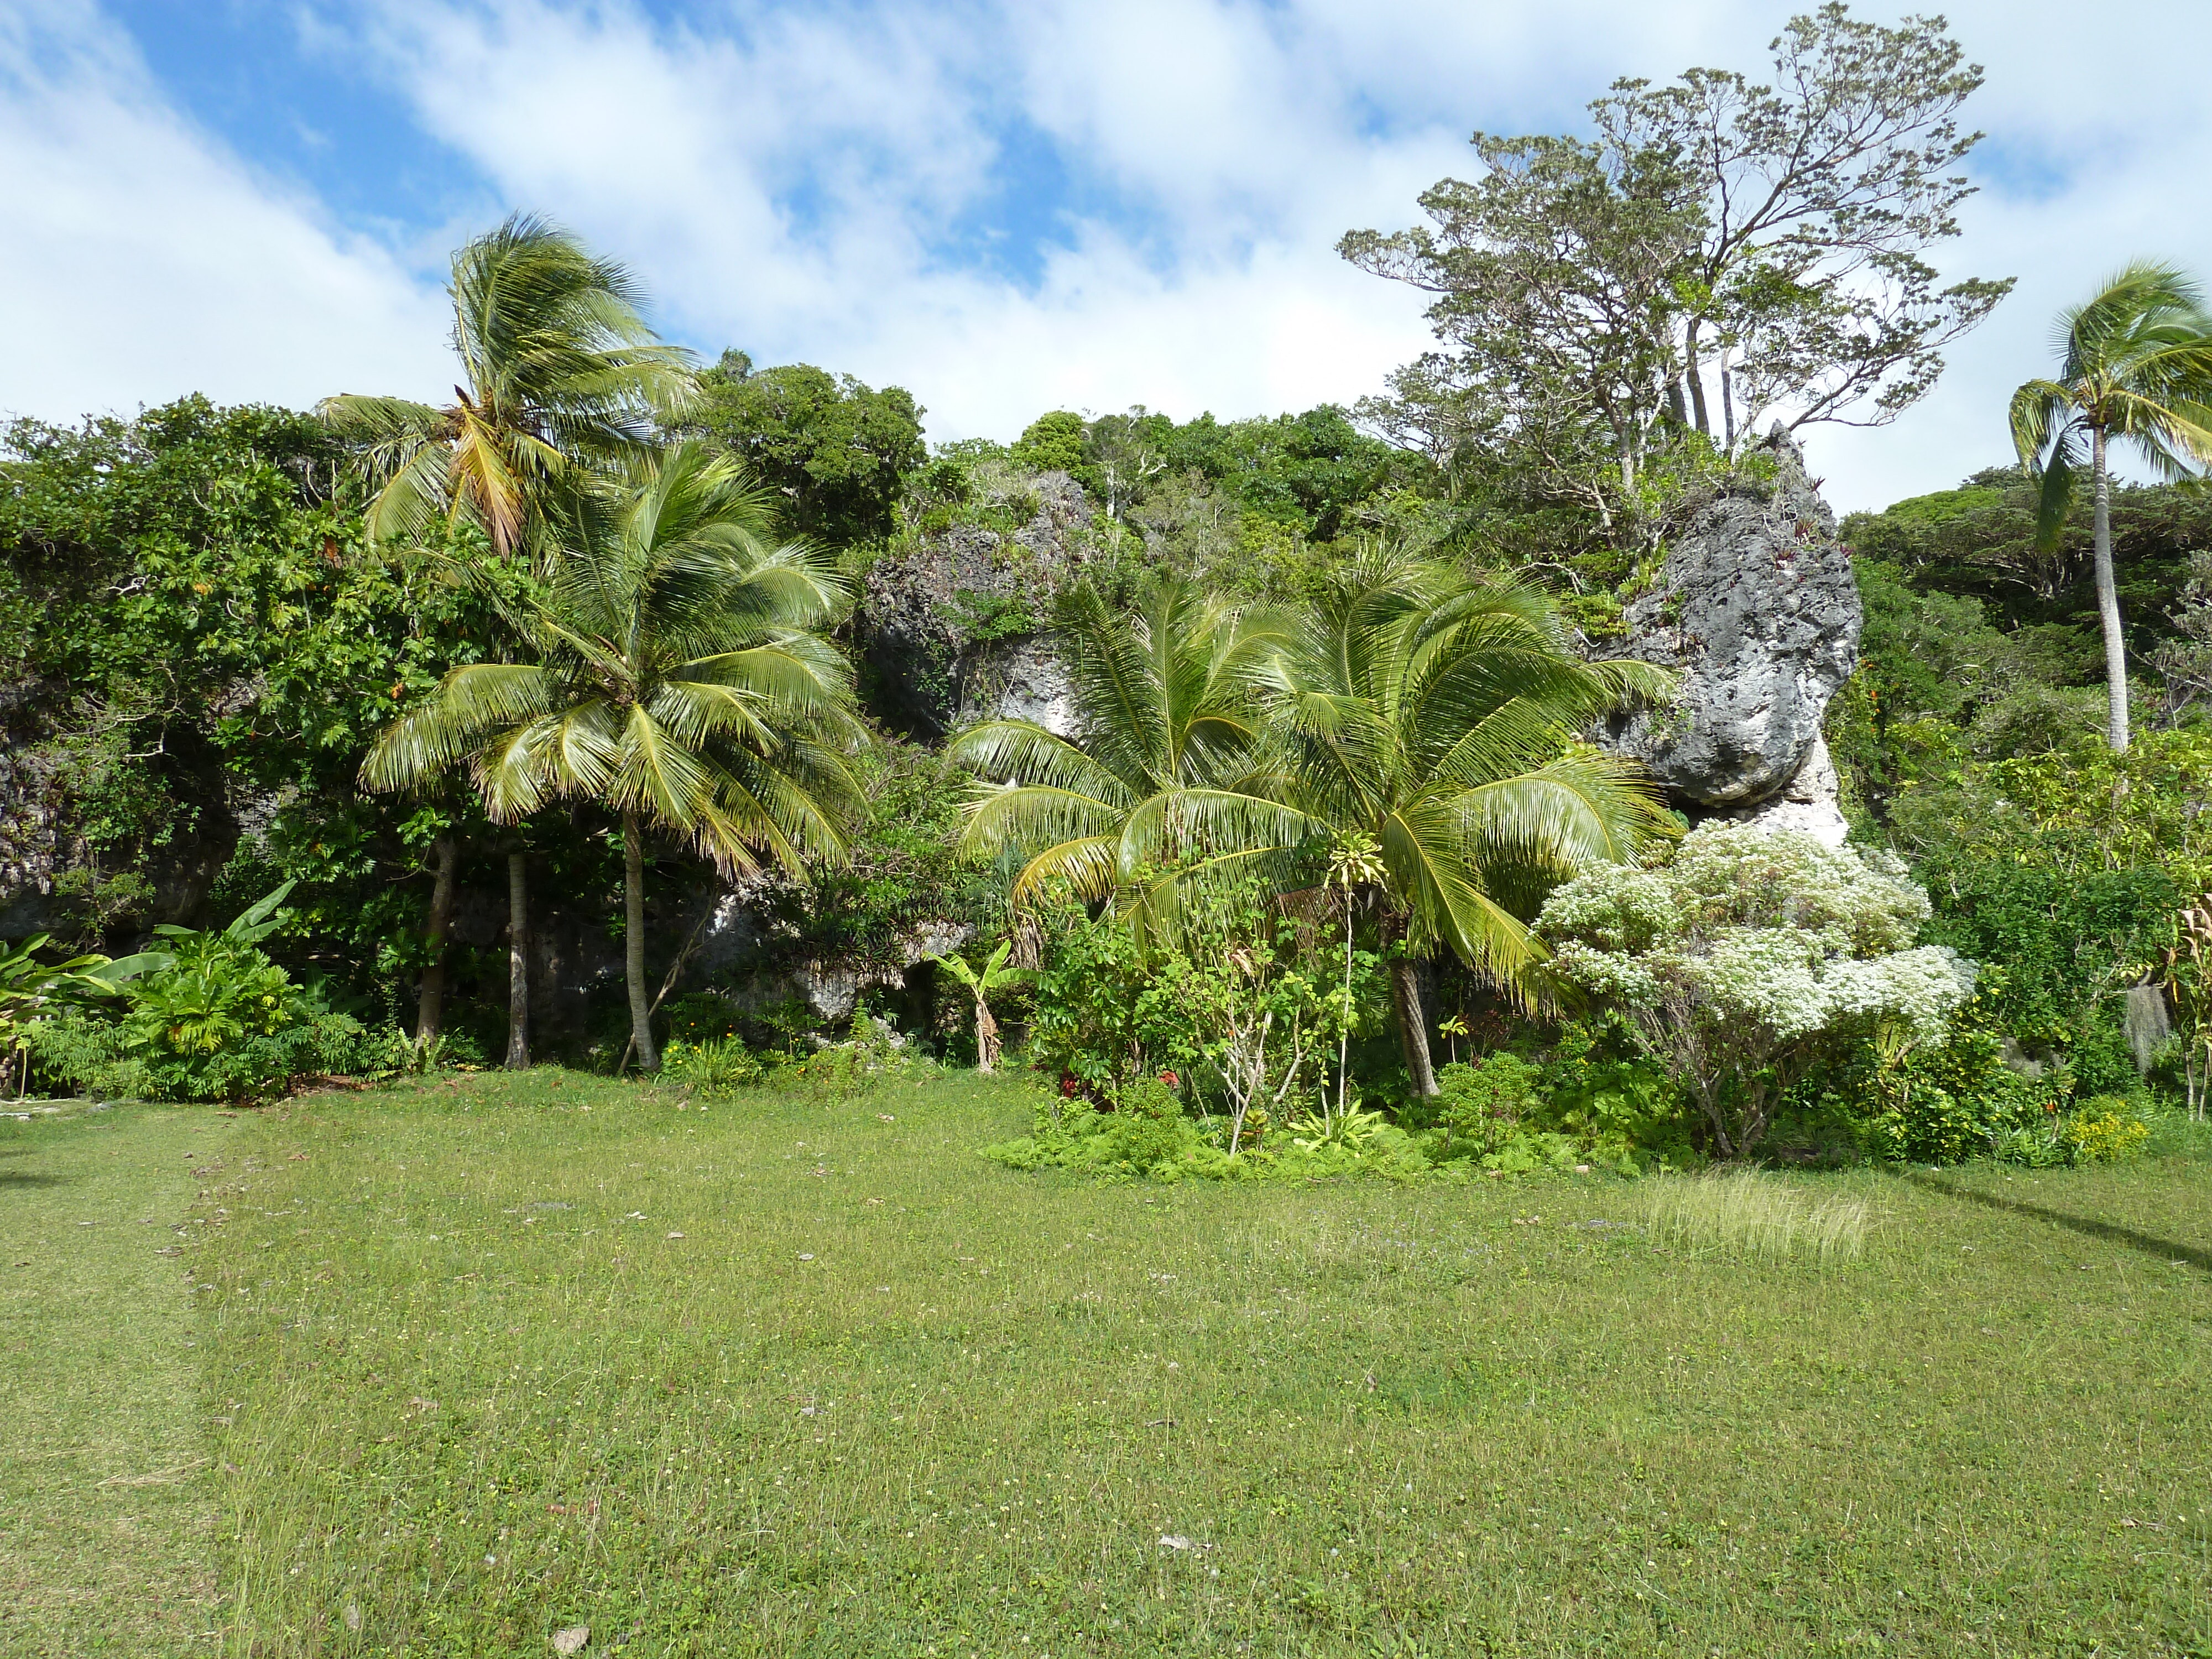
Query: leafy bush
[[1100, 1019], [1479, 1105], [34, 994], [214, 1020], [109, 1059], [1147, 1135], [716, 1066], [2064, 936], [2104, 1131], [1955, 1099], [1748, 959], [1620, 1107], [845, 1071]]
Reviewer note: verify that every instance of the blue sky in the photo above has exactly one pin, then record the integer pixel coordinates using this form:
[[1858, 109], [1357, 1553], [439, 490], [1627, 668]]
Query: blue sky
[[1006, 207]]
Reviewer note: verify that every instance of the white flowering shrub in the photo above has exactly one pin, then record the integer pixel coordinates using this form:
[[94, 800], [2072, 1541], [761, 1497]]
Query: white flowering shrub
[[1748, 957]]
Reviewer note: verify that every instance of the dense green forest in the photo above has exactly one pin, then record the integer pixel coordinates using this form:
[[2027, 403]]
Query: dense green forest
[[202, 647], [1256, 766]]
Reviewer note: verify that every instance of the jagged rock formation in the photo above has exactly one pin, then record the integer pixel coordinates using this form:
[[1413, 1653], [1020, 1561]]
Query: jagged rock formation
[[948, 628], [1758, 612]]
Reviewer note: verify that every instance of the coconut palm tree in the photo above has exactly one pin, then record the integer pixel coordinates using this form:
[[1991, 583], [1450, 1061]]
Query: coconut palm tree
[[1160, 767], [1436, 716], [2136, 366], [681, 680], [557, 370]]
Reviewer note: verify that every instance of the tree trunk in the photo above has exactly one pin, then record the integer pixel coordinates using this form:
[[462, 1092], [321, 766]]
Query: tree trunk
[[1697, 381], [429, 1007], [641, 1004], [986, 1037], [517, 960], [1413, 1028], [2108, 602], [1728, 403]]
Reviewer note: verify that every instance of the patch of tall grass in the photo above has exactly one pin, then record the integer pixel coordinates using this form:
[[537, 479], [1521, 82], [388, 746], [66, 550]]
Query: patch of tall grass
[[1748, 1212]]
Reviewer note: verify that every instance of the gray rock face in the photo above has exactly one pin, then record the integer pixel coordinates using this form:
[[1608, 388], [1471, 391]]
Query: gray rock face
[[1808, 804], [941, 625], [1758, 611]]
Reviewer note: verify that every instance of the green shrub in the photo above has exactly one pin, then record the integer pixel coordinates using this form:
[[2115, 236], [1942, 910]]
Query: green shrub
[[1479, 1105], [1948, 1101], [111, 1060], [717, 1066], [1147, 1135], [1620, 1108], [699, 1017], [215, 1020], [84, 1052], [2104, 1131]]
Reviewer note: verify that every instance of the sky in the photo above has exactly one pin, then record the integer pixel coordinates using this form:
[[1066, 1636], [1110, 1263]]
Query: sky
[[1007, 208]]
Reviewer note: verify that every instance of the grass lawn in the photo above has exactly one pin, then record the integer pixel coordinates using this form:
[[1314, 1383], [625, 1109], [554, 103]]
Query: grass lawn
[[480, 1360], [107, 1498]]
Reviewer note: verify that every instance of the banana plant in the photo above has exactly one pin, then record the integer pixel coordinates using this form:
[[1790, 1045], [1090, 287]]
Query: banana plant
[[994, 975], [31, 990]]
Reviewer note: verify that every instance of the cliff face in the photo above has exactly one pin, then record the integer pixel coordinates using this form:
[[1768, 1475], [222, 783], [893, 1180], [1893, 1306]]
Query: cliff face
[[950, 628], [47, 868], [1758, 611]]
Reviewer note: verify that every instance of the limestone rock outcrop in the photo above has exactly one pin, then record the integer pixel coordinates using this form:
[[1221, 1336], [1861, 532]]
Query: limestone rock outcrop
[[1758, 611], [942, 624]]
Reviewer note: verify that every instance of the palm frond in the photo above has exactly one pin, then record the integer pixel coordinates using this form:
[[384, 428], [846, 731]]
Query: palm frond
[[469, 704]]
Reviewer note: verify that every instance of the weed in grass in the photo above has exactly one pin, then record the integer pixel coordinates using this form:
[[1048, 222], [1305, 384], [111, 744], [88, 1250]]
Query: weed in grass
[[1751, 1214]]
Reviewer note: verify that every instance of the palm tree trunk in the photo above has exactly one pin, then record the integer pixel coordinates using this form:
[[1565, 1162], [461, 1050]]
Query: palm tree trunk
[[430, 1001], [1413, 1028], [518, 959], [640, 1009], [2108, 601]]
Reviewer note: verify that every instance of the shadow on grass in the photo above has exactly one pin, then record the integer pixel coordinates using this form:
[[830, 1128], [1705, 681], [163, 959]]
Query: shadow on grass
[[2165, 1248], [16, 1178]]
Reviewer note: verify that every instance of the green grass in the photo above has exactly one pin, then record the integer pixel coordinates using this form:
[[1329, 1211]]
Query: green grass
[[462, 1388], [108, 1498]]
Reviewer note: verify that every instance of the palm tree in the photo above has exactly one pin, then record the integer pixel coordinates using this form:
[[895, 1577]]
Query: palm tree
[[557, 370], [1169, 728], [681, 680], [2136, 365], [1436, 717]]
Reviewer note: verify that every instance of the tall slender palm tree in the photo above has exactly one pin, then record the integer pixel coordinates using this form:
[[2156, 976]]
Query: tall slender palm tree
[[2136, 365], [1435, 716], [682, 681], [558, 371], [1168, 729]]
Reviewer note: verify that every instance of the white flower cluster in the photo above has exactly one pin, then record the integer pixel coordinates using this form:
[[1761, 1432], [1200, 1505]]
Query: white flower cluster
[[1747, 947]]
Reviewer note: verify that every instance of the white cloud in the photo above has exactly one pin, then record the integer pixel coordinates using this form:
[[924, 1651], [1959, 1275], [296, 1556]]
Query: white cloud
[[813, 182], [141, 262]]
